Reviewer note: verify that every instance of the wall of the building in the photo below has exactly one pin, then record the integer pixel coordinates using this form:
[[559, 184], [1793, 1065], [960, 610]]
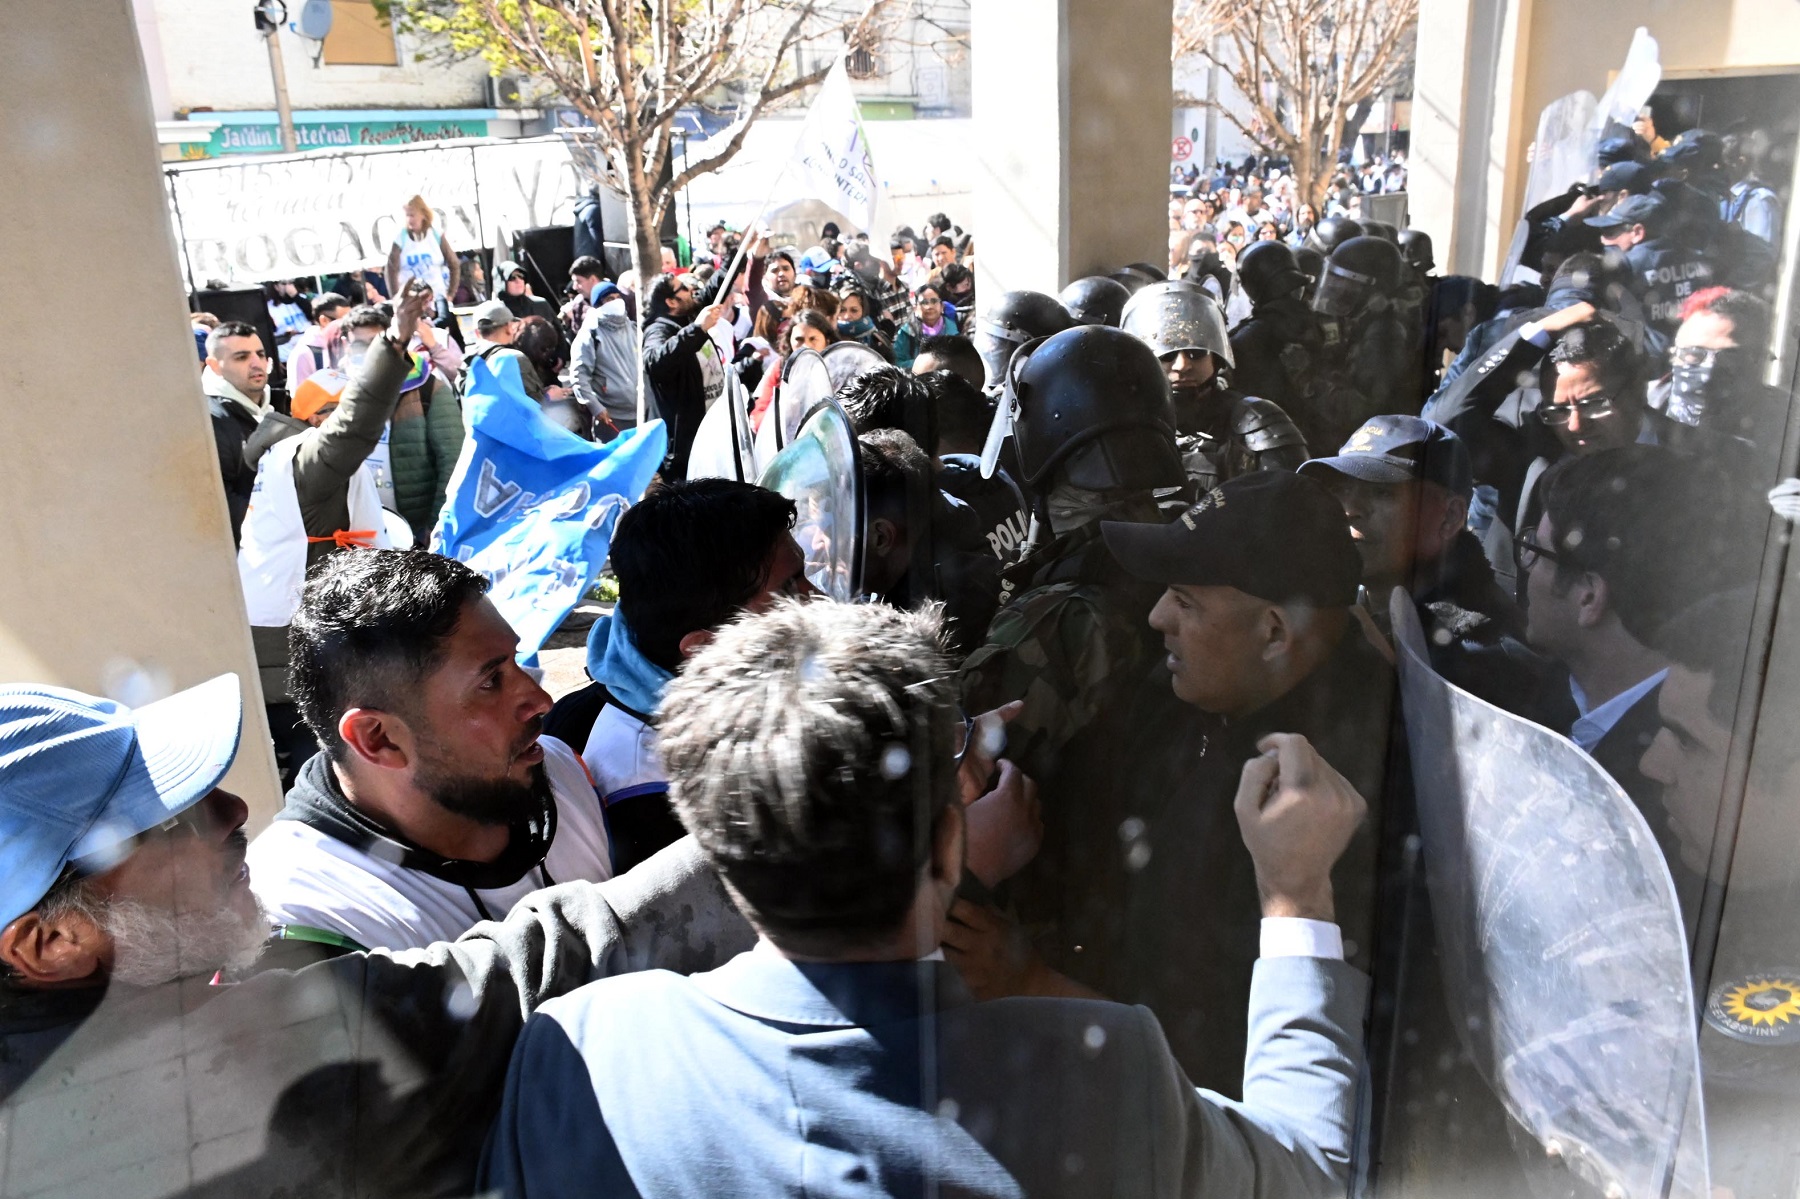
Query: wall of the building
[[213, 57], [116, 549]]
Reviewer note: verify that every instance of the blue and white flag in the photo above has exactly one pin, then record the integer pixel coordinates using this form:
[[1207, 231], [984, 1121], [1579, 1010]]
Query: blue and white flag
[[532, 506]]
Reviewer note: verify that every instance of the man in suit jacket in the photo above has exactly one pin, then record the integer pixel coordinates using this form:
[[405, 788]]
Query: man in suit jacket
[[842, 1055]]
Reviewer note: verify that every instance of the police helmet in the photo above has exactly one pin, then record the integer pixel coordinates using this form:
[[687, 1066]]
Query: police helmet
[[1175, 316], [1331, 233], [1381, 229], [1095, 300], [1011, 321], [1415, 247], [1267, 271], [1357, 272], [1090, 405]]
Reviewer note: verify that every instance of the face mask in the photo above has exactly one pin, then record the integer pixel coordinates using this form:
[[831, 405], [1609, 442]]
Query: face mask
[[862, 326], [1702, 379]]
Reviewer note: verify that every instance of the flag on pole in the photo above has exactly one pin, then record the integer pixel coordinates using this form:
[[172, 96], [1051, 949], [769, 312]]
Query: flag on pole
[[831, 161], [532, 506]]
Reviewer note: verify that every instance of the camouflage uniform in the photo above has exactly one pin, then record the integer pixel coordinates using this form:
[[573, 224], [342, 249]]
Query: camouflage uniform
[[1072, 638]]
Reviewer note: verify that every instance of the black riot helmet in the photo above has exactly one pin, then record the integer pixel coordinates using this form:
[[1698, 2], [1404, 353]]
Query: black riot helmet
[[1381, 229], [1359, 271], [1331, 233], [1312, 265], [1415, 248], [1267, 271], [1091, 406], [1095, 300], [1014, 319], [1138, 274], [1175, 316]]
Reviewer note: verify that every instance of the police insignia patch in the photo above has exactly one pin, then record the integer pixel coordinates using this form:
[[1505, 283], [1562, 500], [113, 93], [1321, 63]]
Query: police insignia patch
[[1763, 1007]]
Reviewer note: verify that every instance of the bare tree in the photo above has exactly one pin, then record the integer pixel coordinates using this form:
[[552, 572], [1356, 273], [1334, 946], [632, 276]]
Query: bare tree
[[631, 66], [1309, 70]]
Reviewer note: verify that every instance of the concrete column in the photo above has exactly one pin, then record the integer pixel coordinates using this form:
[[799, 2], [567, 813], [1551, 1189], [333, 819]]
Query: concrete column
[[1071, 139], [115, 548]]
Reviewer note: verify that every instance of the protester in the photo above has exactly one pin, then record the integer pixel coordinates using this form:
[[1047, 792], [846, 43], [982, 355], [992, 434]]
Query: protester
[[801, 820], [855, 322], [435, 804], [236, 385], [605, 376], [811, 329], [684, 368], [515, 292], [690, 557], [312, 348], [930, 319], [951, 352], [319, 495], [495, 329], [373, 1072], [288, 315], [420, 251]]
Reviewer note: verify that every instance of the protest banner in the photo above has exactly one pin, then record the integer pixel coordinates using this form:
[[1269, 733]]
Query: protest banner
[[532, 506]]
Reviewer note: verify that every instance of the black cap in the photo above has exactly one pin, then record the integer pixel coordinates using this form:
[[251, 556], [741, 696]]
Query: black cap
[[1646, 210], [1271, 534], [1399, 449]]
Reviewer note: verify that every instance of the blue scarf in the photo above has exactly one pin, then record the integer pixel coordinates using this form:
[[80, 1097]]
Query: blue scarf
[[614, 662]]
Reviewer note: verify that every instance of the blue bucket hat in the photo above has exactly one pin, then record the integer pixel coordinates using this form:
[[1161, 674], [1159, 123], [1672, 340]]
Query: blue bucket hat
[[80, 775]]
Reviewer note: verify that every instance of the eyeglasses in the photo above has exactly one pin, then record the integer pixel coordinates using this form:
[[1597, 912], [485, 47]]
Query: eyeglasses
[[1558, 416], [1529, 550], [1694, 356]]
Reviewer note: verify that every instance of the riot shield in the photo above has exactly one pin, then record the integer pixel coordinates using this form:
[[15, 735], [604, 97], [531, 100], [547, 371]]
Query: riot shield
[[844, 360], [804, 382], [1565, 964], [723, 445], [820, 472]]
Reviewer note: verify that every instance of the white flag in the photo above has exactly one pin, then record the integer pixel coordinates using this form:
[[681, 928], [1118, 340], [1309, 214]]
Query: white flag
[[831, 160]]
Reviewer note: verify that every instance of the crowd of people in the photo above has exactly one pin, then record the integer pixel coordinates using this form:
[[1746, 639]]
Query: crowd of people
[[804, 894]]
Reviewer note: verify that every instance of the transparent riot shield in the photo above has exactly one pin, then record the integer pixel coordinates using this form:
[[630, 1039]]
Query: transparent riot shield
[[1565, 964], [820, 472], [844, 360], [723, 445], [804, 382]]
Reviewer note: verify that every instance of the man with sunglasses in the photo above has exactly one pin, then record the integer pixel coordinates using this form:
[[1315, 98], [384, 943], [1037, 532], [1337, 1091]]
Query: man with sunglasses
[[123, 890]]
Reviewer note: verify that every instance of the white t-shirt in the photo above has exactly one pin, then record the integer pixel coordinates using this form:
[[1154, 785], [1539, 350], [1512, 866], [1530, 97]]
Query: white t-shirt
[[306, 877], [622, 757]]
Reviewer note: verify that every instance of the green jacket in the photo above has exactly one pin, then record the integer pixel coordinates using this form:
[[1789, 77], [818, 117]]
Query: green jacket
[[423, 445]]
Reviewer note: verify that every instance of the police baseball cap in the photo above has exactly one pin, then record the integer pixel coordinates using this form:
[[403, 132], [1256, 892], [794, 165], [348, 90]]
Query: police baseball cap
[[1633, 177], [80, 775], [1399, 449], [1646, 210], [1624, 147], [1271, 534], [492, 315]]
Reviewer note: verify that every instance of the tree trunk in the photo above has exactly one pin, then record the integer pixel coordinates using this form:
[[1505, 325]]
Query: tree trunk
[[646, 243]]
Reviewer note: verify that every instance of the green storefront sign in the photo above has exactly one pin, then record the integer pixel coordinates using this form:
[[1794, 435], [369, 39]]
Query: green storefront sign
[[324, 135]]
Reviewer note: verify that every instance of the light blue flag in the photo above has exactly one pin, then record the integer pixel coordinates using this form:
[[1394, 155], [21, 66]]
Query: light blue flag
[[532, 506]]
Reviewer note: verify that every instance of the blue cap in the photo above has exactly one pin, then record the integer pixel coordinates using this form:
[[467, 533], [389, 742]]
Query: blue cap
[[1399, 449], [1633, 177], [1646, 209], [603, 291], [80, 775]]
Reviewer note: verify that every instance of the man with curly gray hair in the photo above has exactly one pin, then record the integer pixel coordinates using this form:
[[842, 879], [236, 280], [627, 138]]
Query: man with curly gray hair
[[814, 753]]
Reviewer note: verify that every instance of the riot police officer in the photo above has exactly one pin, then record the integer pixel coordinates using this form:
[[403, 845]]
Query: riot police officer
[[1372, 356], [1333, 232], [1015, 318], [1222, 432], [1095, 433], [1665, 269], [1095, 300], [1278, 353]]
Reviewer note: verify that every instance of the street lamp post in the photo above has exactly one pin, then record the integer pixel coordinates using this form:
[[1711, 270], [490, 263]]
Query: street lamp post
[[270, 16]]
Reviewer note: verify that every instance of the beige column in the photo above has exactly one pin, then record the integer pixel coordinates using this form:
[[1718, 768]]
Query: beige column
[[115, 549], [1071, 139]]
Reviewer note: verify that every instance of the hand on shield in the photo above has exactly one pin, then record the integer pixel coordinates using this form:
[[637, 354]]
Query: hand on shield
[[1297, 815]]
